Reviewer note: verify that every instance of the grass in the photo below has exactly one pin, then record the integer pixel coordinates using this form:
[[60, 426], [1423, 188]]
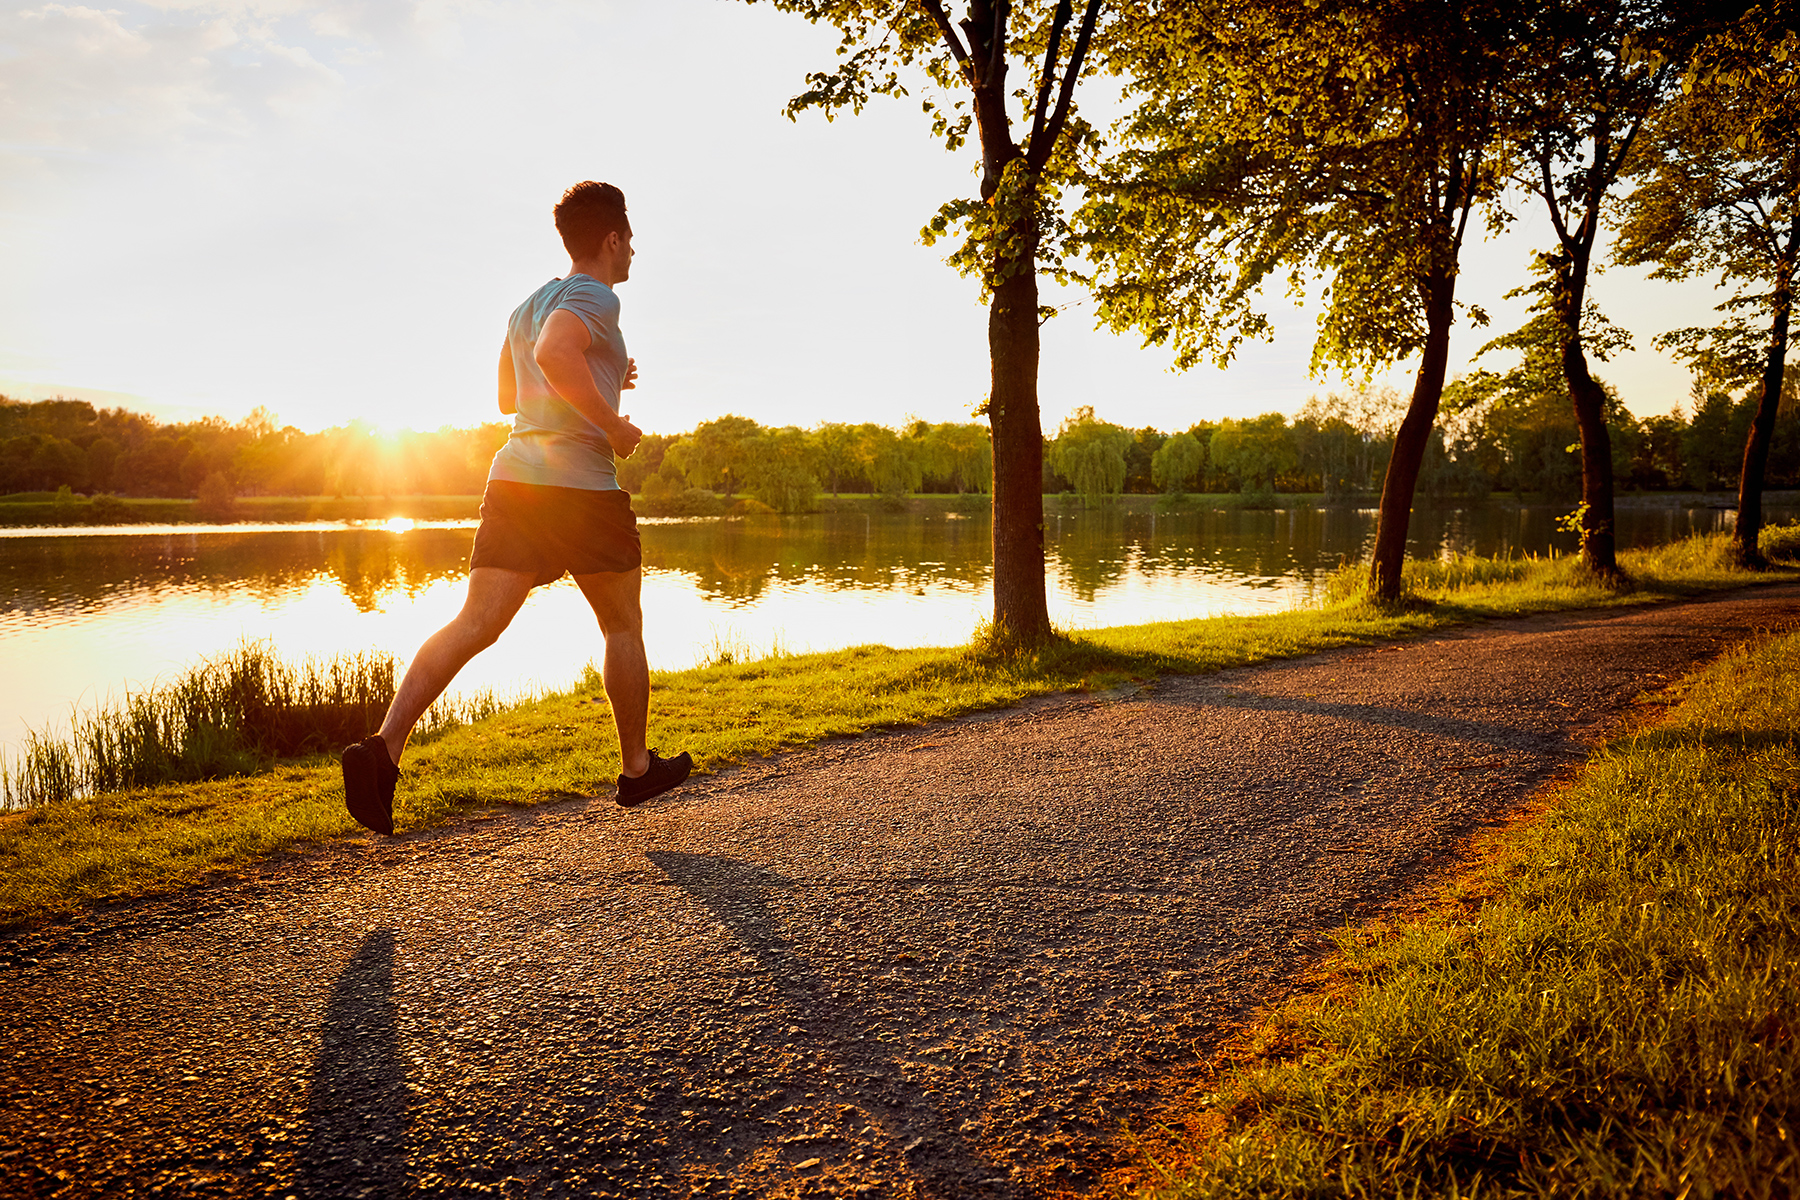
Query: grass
[[1605, 1004], [230, 715], [560, 746], [236, 714]]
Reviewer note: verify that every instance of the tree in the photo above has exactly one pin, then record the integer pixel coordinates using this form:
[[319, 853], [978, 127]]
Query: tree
[[1525, 409], [957, 453], [1719, 191], [717, 453], [216, 499], [1599, 70], [834, 450], [891, 461], [1176, 462], [1350, 143], [1090, 454], [1257, 451], [777, 472], [1010, 232]]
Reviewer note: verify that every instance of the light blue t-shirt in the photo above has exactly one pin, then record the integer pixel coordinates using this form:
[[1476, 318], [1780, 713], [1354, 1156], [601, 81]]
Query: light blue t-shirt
[[551, 443]]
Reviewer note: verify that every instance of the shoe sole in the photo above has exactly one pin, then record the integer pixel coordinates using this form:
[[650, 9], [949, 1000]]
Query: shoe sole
[[362, 774]]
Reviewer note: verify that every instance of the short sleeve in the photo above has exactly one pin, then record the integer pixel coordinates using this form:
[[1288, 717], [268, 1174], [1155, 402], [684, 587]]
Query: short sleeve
[[597, 307]]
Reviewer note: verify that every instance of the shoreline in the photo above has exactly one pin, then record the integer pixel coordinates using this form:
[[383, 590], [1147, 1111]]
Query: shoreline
[[127, 514]]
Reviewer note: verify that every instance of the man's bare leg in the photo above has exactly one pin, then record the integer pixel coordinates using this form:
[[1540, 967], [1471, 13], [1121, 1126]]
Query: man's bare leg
[[614, 597], [493, 600]]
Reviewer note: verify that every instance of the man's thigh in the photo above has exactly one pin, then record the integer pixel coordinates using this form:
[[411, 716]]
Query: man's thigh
[[495, 595], [615, 598]]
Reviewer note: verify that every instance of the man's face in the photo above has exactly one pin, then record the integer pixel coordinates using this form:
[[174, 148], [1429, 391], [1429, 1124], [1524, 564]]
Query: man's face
[[619, 251]]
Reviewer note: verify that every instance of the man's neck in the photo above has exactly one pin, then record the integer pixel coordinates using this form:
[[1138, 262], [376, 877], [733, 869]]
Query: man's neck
[[593, 268]]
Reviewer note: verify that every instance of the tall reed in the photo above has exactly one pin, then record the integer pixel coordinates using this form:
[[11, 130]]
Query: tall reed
[[227, 716]]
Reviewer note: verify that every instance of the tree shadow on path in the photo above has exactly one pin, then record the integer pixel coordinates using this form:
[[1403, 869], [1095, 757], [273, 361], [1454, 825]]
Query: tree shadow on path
[[737, 893], [356, 1109]]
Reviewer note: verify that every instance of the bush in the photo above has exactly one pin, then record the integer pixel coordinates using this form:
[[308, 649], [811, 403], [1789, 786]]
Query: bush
[[217, 501], [107, 509], [1780, 543], [677, 502]]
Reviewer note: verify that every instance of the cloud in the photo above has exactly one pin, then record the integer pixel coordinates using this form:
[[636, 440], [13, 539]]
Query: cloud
[[80, 84]]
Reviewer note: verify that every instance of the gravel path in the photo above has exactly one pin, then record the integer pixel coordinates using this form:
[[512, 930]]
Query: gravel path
[[939, 963]]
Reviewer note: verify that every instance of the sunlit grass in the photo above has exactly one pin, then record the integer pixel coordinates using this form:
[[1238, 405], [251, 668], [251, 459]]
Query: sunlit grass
[[560, 745], [1604, 1005]]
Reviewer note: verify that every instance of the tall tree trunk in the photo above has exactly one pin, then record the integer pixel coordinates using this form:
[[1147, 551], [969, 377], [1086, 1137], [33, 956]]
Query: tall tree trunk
[[1762, 432], [1402, 478], [1020, 609], [1598, 544]]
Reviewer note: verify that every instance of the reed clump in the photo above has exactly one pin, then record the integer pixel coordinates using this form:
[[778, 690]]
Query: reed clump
[[229, 715]]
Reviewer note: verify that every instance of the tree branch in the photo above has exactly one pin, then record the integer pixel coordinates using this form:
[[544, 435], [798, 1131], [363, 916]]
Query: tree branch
[[1067, 94], [997, 47], [1556, 217], [950, 39], [1058, 22]]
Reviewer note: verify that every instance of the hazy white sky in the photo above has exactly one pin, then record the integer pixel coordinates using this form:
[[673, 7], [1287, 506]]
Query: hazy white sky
[[330, 209]]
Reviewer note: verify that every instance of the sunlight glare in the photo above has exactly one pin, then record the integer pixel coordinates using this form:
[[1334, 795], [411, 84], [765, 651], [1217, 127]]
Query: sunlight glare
[[398, 524]]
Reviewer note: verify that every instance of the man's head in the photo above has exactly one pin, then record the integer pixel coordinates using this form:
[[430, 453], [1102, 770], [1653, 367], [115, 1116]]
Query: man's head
[[587, 217]]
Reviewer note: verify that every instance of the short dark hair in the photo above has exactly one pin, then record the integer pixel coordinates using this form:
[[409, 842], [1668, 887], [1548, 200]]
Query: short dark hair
[[588, 212]]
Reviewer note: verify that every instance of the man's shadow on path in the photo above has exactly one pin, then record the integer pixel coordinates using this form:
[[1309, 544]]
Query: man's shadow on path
[[356, 1118], [736, 892]]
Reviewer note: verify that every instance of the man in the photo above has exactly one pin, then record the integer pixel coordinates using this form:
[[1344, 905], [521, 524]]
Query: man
[[552, 505]]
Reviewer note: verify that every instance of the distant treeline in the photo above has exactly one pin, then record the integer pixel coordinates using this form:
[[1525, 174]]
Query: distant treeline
[[50, 444], [1499, 434]]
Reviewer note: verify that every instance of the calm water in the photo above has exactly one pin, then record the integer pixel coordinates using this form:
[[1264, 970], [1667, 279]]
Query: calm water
[[85, 616]]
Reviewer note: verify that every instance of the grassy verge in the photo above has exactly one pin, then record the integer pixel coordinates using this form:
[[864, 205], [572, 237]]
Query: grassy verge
[[560, 746], [1606, 1004]]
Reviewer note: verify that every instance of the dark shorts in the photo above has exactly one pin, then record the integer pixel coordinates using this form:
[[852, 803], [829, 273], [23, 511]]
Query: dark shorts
[[546, 531]]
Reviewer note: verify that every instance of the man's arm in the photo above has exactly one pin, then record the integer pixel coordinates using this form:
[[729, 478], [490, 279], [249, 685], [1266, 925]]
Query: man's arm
[[509, 382], [561, 354]]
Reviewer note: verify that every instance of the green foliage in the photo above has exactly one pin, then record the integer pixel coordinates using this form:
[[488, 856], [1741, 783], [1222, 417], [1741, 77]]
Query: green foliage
[[1254, 451], [1718, 192], [1090, 454], [778, 473], [717, 454], [217, 499], [1298, 141], [1177, 463]]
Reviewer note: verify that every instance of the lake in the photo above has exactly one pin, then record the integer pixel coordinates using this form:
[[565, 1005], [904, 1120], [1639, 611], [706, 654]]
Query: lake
[[86, 615]]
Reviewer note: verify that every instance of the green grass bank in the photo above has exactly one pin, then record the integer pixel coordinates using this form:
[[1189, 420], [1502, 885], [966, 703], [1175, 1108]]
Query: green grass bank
[[1604, 1004], [144, 839]]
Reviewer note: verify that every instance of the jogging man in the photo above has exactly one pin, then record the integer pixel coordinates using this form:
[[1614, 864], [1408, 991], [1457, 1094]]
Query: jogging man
[[552, 505]]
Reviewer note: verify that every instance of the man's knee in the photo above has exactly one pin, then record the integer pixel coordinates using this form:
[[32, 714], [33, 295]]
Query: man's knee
[[622, 621], [615, 599]]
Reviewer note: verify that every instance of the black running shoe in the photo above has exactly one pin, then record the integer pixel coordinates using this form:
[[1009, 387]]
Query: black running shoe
[[664, 773], [369, 778]]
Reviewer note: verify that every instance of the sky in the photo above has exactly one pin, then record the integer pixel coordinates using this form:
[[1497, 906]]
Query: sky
[[329, 210]]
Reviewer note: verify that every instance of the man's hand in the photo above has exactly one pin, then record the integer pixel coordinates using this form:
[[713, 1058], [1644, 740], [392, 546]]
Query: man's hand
[[630, 375], [625, 438]]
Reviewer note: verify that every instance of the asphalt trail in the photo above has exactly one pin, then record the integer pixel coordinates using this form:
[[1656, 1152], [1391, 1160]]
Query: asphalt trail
[[939, 963]]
